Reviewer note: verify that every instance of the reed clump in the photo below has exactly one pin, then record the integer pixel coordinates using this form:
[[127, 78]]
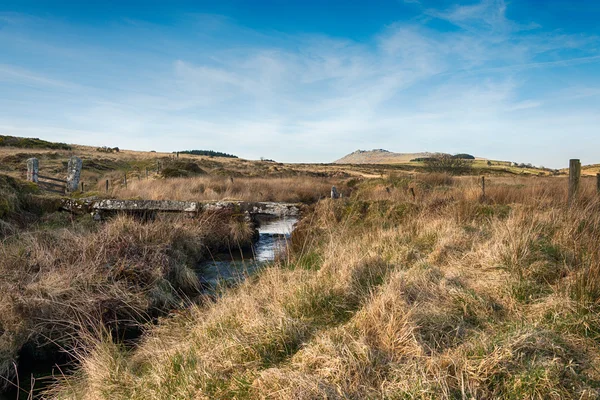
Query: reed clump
[[448, 294], [65, 275]]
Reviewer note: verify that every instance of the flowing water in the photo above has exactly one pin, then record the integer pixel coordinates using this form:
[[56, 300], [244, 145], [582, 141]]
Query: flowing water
[[230, 268]]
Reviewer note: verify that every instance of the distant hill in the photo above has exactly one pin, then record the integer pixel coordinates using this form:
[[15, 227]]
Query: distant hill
[[31, 143], [380, 156], [589, 170]]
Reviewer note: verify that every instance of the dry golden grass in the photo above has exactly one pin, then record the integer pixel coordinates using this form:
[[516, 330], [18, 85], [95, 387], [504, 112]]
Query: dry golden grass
[[206, 188], [100, 166], [448, 295], [60, 276]]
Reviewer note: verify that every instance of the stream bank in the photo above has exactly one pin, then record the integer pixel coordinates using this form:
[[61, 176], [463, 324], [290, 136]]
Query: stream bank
[[222, 270]]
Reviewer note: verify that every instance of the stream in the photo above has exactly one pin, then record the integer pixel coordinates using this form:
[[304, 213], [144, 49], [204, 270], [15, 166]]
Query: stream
[[230, 268]]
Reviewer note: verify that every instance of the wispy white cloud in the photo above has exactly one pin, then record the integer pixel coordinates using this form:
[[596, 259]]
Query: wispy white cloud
[[18, 75], [486, 16]]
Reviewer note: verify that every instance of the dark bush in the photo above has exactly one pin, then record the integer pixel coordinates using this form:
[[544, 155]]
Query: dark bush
[[181, 169], [464, 156], [105, 149], [209, 153], [449, 164]]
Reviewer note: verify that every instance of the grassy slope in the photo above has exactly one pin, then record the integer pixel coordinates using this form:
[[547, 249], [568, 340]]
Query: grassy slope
[[31, 143], [590, 169], [60, 274], [385, 297], [100, 166]]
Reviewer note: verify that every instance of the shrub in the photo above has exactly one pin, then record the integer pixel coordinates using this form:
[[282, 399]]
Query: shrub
[[449, 164], [105, 149], [209, 153], [464, 156], [178, 169]]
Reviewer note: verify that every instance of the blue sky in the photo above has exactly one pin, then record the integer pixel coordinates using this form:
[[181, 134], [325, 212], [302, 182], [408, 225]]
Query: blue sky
[[308, 80]]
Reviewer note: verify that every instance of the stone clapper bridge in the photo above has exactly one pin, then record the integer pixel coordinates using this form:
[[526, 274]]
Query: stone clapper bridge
[[252, 211]]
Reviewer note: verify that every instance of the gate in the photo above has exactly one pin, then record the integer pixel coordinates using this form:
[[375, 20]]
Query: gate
[[60, 186]]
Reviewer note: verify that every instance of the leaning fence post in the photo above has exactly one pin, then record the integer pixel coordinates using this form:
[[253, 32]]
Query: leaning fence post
[[73, 173], [574, 178], [33, 169]]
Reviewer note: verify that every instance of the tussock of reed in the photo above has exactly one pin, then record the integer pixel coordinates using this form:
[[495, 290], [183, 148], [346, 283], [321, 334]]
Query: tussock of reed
[[63, 277], [449, 295]]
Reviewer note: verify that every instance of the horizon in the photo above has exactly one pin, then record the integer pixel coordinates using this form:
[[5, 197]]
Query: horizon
[[301, 82]]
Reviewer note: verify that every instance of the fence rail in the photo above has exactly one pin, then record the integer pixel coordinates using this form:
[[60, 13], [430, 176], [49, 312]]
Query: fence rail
[[48, 184], [53, 179], [52, 187], [56, 185]]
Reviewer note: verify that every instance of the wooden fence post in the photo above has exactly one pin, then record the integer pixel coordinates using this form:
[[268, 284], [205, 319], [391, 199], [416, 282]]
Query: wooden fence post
[[574, 178], [483, 187], [125, 180], [33, 169], [107, 186], [146, 173], [82, 187], [598, 182]]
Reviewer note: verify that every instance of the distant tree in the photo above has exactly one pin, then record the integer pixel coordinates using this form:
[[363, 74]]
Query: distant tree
[[449, 164], [420, 159], [464, 156], [209, 153]]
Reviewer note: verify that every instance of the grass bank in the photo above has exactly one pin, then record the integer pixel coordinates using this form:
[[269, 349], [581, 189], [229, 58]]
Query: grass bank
[[388, 295], [61, 275]]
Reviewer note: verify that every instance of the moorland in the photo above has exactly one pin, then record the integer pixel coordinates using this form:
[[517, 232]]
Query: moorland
[[414, 284]]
